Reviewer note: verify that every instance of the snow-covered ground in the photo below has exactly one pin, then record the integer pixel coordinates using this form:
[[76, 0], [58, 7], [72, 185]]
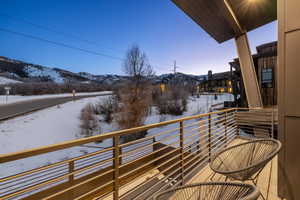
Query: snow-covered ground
[[49, 126], [18, 98], [59, 124], [4, 80]]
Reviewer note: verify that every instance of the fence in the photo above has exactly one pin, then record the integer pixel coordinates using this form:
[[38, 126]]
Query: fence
[[171, 153]]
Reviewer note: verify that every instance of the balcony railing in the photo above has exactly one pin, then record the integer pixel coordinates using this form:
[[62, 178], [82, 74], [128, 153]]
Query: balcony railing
[[170, 154]]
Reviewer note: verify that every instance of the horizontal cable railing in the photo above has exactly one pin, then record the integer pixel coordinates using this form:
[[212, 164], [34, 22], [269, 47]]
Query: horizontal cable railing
[[169, 155], [257, 122]]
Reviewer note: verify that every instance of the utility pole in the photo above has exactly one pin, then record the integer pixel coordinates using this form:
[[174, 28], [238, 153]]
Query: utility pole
[[175, 72], [175, 68]]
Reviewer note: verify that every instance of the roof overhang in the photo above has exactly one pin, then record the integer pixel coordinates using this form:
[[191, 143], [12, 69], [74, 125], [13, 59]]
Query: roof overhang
[[216, 19]]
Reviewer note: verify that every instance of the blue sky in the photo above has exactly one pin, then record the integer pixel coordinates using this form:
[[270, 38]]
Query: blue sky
[[163, 31]]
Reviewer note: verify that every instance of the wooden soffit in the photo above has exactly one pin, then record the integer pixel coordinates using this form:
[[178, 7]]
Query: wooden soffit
[[214, 17]]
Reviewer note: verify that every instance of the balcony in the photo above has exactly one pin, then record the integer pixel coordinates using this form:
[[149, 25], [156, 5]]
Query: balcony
[[173, 153]]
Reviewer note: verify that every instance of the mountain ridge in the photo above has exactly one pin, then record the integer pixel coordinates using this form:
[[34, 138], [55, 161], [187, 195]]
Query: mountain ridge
[[26, 72]]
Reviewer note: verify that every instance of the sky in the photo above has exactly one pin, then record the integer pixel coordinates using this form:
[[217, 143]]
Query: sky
[[108, 28]]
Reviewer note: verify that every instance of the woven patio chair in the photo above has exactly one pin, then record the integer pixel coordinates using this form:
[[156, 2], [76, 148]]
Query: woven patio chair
[[245, 161], [211, 191]]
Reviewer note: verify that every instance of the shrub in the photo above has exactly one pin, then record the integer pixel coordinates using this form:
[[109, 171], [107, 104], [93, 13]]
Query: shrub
[[173, 101], [134, 107], [107, 108], [89, 123]]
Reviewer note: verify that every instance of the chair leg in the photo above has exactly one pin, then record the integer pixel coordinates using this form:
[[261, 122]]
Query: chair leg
[[211, 178], [255, 180], [262, 196], [256, 177], [226, 178], [255, 183]]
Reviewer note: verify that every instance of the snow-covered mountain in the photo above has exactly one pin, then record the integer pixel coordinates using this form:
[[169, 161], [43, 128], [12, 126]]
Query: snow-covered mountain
[[43, 72], [179, 77], [25, 72], [164, 78], [106, 79]]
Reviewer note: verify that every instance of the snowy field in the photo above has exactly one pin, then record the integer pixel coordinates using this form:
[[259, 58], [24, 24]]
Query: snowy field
[[49, 126], [59, 124], [18, 98]]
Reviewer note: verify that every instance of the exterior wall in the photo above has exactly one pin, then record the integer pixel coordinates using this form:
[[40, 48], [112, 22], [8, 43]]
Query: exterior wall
[[269, 93], [289, 97], [266, 58]]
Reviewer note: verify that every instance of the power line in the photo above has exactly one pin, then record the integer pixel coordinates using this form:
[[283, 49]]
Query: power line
[[69, 35], [55, 31], [64, 45], [25, 21], [60, 44]]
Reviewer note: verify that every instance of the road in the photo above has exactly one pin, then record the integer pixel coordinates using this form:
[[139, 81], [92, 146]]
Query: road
[[24, 107]]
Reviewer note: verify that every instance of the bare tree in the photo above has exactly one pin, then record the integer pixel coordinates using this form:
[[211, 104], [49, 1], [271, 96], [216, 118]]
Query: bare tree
[[135, 96], [136, 64]]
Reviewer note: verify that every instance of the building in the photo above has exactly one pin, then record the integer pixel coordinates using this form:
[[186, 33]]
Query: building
[[217, 82], [265, 62]]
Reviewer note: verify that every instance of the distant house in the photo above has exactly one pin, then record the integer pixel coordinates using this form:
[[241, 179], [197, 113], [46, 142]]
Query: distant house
[[265, 62], [217, 82]]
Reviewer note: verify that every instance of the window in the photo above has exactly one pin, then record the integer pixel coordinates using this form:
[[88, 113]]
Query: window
[[267, 78]]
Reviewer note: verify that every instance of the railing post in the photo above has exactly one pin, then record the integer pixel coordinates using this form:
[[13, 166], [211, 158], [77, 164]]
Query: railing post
[[272, 129], [71, 169], [209, 136], [226, 137], [199, 141], [116, 142], [181, 153], [237, 124], [71, 178]]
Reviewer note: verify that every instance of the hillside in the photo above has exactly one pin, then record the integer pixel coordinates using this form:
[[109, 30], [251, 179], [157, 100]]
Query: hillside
[[27, 72], [18, 71]]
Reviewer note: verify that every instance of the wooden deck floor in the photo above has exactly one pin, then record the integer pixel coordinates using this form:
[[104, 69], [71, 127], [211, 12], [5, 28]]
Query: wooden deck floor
[[267, 181]]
